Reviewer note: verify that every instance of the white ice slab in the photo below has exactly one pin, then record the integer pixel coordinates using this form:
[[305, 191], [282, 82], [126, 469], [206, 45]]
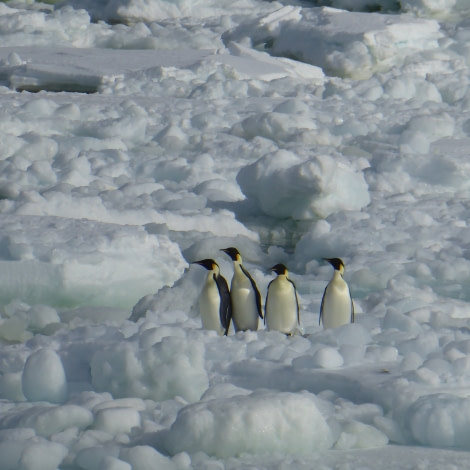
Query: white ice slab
[[84, 70], [342, 43], [62, 69]]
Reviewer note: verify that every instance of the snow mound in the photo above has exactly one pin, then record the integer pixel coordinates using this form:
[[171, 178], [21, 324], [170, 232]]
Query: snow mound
[[44, 377], [250, 63], [82, 69], [171, 367], [439, 8], [88, 70], [346, 44], [260, 423], [283, 185], [81, 259], [139, 10], [31, 454], [146, 458], [441, 420]]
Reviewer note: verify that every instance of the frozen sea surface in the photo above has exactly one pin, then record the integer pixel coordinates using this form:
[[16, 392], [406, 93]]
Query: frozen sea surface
[[137, 137]]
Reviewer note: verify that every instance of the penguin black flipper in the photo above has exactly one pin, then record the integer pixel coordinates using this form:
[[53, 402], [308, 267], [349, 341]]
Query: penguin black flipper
[[353, 313], [255, 288], [266, 303], [225, 310], [320, 318], [296, 300]]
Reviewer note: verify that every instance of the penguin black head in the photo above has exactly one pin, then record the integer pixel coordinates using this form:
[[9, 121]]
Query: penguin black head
[[208, 263], [337, 263], [232, 252], [279, 269]]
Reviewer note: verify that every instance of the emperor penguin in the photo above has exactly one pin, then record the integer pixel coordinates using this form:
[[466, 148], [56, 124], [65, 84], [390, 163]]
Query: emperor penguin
[[337, 306], [282, 312], [214, 301], [246, 299]]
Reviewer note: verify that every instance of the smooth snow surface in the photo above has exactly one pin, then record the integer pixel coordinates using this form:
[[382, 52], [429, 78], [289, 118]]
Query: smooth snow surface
[[139, 136]]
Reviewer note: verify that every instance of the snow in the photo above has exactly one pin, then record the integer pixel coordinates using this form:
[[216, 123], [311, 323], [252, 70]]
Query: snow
[[44, 377], [345, 43], [140, 136], [262, 422], [304, 189]]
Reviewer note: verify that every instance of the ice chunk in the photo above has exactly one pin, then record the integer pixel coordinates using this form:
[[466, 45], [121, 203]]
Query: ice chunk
[[112, 463], [283, 185], [146, 458], [250, 63], [30, 454], [171, 367], [354, 44], [116, 420], [260, 423], [81, 69], [341, 42], [64, 261], [400, 321], [360, 436], [328, 358], [44, 377], [433, 7], [42, 455], [97, 458], [440, 420], [142, 10]]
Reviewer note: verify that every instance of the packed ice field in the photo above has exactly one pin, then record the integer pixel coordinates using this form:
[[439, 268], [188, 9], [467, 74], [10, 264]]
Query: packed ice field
[[138, 137]]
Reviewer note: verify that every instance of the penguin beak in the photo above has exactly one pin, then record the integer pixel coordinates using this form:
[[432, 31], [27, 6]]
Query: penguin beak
[[205, 263]]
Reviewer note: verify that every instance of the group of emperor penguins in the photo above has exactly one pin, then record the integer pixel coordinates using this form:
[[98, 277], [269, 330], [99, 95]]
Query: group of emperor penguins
[[219, 305]]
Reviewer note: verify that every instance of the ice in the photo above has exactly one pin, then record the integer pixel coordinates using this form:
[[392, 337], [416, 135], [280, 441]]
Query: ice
[[259, 423], [171, 367], [252, 63], [146, 457], [327, 358], [357, 435], [63, 265], [162, 9], [31, 454], [117, 420], [305, 189], [434, 7], [44, 377], [42, 455], [52, 420], [440, 420], [346, 44], [79, 69], [111, 463], [137, 137], [93, 458]]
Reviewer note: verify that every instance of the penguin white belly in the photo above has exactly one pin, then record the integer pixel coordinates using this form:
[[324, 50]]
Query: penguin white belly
[[244, 310], [281, 313], [209, 307], [337, 306]]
